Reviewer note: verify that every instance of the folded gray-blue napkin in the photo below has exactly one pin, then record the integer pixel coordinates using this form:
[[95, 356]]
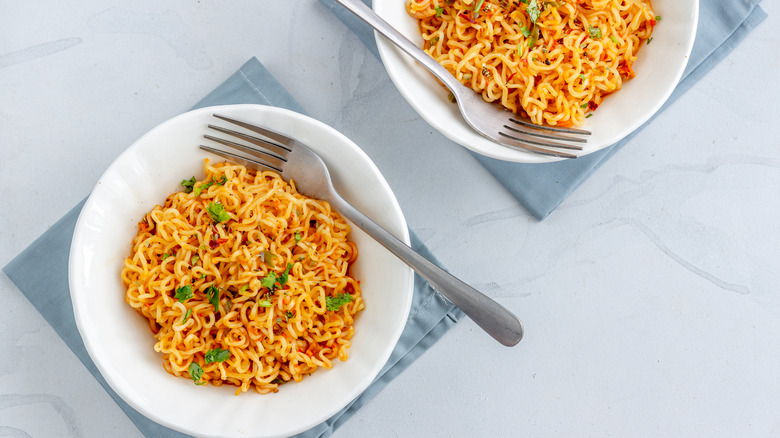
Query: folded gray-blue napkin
[[41, 273], [541, 187]]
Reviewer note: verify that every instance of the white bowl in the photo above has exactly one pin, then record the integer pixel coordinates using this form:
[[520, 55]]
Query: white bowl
[[119, 340], [658, 70]]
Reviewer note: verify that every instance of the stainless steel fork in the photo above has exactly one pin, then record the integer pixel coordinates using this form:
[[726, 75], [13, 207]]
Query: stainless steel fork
[[496, 124], [296, 161]]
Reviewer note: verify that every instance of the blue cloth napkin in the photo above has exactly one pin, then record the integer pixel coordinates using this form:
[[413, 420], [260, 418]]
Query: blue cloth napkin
[[541, 187], [41, 273]]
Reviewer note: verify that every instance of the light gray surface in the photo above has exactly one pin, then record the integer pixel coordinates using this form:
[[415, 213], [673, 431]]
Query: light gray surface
[[649, 296]]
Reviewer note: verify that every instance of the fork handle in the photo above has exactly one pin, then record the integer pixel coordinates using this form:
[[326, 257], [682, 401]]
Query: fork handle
[[366, 14], [494, 318]]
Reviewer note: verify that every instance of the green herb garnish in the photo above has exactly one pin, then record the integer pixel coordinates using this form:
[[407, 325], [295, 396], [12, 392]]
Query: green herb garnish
[[186, 316], [269, 280], [196, 372], [533, 11], [211, 182], [594, 32], [298, 236], [268, 258], [272, 281], [285, 275], [188, 184], [478, 7], [335, 303], [438, 10], [183, 293], [212, 293], [217, 355], [615, 40], [217, 212], [525, 31]]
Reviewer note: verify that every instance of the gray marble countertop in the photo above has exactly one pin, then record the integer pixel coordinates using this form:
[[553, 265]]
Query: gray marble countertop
[[649, 296]]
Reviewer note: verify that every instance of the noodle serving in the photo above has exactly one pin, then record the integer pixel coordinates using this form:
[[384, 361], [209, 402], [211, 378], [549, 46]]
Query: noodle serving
[[552, 61], [244, 281]]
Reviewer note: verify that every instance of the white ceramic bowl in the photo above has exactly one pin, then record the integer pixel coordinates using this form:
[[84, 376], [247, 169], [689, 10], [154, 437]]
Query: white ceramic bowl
[[119, 340], [658, 69]]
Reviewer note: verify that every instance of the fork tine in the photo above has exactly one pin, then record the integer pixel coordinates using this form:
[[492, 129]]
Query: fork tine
[[544, 144], [520, 144], [547, 136], [248, 162], [282, 139], [551, 128], [279, 150], [259, 154]]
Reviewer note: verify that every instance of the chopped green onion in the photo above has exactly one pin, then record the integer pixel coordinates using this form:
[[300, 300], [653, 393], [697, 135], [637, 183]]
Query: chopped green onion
[[477, 8]]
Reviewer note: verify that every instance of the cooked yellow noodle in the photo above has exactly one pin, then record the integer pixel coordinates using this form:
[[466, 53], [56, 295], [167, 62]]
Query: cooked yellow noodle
[[270, 225], [554, 70]]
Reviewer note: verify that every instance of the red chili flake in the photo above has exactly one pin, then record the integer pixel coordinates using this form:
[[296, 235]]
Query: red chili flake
[[652, 22], [592, 105], [511, 76], [467, 18], [213, 243]]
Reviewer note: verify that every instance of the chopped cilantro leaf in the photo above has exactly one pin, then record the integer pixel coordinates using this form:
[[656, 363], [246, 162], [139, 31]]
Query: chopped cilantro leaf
[[186, 316], [196, 372], [439, 10], [285, 275], [188, 184], [183, 293], [335, 303], [212, 293], [217, 355], [217, 212], [272, 281], [269, 280]]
